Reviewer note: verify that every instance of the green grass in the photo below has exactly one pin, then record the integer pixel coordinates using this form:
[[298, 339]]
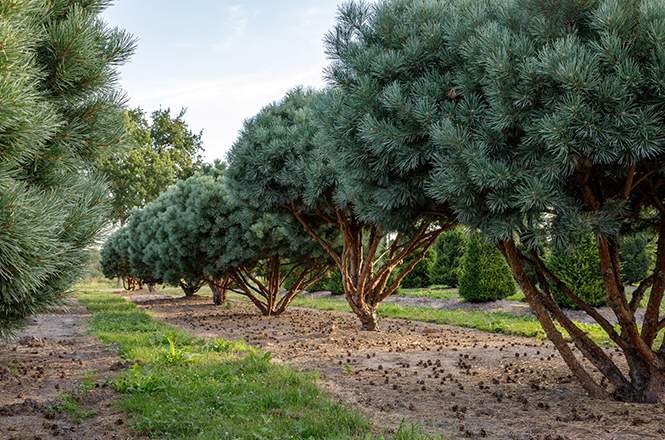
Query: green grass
[[183, 387], [431, 293], [71, 400]]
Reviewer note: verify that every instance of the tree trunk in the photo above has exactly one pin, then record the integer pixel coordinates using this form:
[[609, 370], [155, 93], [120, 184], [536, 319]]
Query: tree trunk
[[646, 382], [191, 288], [152, 288], [216, 294], [219, 290], [652, 389], [369, 320]]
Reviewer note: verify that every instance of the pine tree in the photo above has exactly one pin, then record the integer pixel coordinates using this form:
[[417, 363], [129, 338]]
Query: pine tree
[[60, 108], [450, 247], [552, 129], [485, 274], [579, 269], [419, 276], [634, 258], [115, 259], [196, 233], [286, 159], [534, 121]]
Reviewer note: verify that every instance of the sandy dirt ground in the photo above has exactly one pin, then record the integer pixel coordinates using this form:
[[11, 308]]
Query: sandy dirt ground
[[53, 356], [450, 380]]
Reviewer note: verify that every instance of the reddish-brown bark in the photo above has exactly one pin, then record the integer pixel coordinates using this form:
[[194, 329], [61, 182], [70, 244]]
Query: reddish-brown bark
[[265, 293], [646, 379], [366, 271]]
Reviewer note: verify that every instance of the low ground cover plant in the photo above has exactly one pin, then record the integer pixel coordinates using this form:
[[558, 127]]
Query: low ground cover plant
[[235, 383]]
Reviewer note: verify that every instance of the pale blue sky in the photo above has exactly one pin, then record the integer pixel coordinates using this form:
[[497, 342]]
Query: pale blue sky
[[223, 60]]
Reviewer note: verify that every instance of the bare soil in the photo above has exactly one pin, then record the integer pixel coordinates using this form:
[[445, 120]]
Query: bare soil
[[53, 356], [450, 380]]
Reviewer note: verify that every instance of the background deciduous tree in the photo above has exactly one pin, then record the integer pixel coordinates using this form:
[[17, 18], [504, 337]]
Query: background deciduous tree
[[160, 152]]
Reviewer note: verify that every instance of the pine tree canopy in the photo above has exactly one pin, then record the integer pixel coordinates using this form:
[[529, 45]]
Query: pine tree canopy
[[61, 108], [172, 232], [535, 121], [286, 157], [197, 232], [115, 259]]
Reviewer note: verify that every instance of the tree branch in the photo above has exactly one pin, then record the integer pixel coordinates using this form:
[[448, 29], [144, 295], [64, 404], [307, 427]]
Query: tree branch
[[508, 249], [619, 303], [538, 265], [311, 232]]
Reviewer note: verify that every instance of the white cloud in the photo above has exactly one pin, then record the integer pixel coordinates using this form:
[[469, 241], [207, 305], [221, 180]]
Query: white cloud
[[220, 105], [233, 28]]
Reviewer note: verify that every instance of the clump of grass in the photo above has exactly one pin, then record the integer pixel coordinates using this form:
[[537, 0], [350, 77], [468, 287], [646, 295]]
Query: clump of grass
[[185, 387], [496, 322], [431, 293], [71, 401]]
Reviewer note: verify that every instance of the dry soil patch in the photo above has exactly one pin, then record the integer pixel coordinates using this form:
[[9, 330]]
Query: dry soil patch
[[52, 356], [474, 383]]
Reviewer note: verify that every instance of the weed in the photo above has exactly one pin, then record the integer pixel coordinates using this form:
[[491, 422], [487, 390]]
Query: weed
[[71, 401], [222, 346], [138, 381], [174, 356]]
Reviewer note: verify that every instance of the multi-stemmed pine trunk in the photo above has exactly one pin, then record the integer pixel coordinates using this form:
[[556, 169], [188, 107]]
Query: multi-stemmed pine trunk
[[265, 293], [190, 288], [365, 266], [646, 363], [219, 288]]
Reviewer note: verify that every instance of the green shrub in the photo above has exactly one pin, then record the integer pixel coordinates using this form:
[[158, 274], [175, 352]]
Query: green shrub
[[321, 284], [634, 258], [485, 274], [420, 274], [579, 268], [449, 247], [335, 283]]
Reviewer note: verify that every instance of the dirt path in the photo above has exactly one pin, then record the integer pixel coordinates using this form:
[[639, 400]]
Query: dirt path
[[54, 356], [477, 384]]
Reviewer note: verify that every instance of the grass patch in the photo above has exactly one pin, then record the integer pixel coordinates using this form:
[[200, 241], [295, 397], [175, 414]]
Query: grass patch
[[71, 401], [431, 293], [185, 387], [496, 322]]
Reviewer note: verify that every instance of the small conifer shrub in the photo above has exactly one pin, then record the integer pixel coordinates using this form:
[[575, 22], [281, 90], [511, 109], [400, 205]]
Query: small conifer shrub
[[485, 274], [579, 268]]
